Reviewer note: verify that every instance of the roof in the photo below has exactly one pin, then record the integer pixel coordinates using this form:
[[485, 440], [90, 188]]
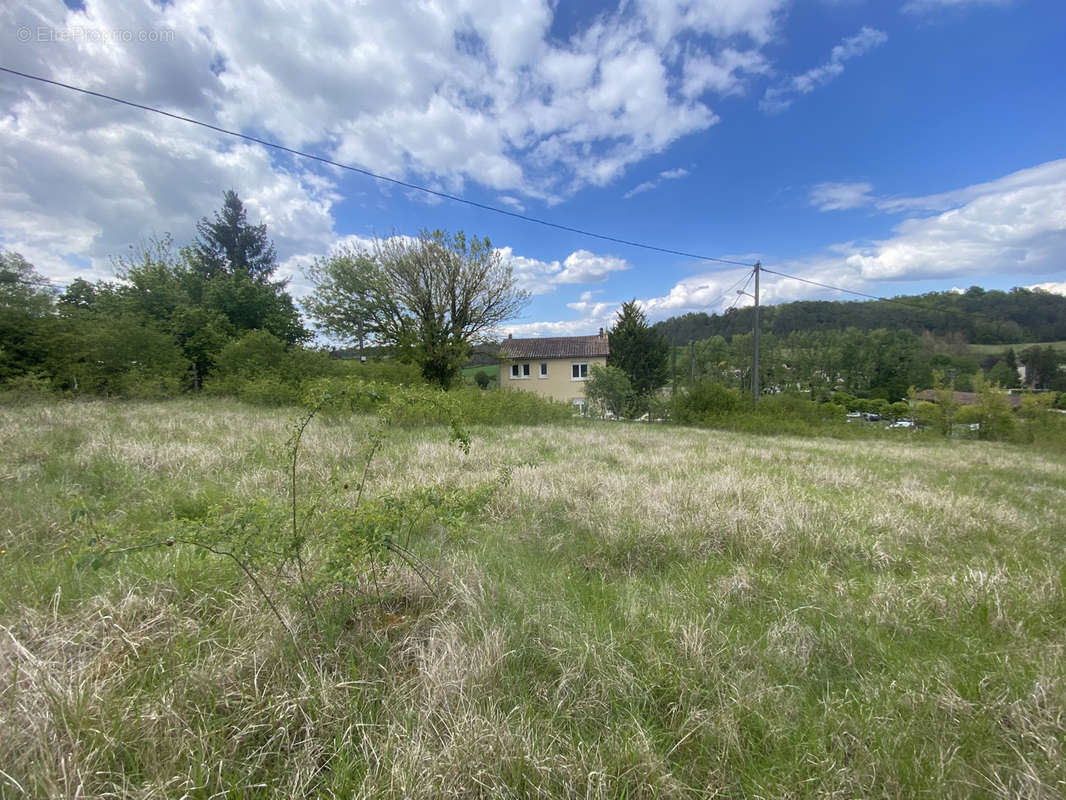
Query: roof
[[555, 347], [966, 398]]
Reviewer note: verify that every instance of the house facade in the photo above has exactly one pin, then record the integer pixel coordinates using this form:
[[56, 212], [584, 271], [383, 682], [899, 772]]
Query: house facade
[[556, 367]]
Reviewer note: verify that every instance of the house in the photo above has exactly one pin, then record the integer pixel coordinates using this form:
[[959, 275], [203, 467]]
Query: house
[[555, 367]]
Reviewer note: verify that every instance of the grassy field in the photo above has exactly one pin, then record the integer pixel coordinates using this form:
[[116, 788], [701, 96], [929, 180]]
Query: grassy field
[[639, 612], [470, 373], [997, 349]]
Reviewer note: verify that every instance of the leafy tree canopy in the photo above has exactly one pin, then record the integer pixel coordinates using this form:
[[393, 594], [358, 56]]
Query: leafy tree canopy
[[430, 297]]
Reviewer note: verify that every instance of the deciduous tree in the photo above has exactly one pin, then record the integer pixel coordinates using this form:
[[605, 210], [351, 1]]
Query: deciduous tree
[[429, 297]]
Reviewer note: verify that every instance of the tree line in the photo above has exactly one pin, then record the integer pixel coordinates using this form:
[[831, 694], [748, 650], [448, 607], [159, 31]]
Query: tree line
[[979, 316], [881, 363], [211, 315]]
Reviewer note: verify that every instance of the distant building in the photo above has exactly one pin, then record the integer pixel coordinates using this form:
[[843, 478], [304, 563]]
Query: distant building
[[555, 367]]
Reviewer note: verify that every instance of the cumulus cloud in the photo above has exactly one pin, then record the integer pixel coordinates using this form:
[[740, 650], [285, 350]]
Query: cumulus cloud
[[1013, 225], [593, 314], [712, 292], [443, 93], [580, 267], [778, 98], [1054, 287]]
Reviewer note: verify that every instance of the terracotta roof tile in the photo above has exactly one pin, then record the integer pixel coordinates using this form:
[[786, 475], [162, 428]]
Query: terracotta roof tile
[[555, 347]]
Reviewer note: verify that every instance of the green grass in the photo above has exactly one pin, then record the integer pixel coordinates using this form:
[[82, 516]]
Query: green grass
[[643, 611], [996, 349], [469, 373]]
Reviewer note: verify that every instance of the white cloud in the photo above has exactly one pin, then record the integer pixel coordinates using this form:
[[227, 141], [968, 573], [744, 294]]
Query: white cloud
[[722, 74], [1009, 225], [755, 19], [640, 188], [841, 196], [779, 98], [927, 6], [1013, 225], [593, 315], [581, 266], [1048, 174], [442, 93], [647, 186], [512, 202], [569, 327], [1052, 286]]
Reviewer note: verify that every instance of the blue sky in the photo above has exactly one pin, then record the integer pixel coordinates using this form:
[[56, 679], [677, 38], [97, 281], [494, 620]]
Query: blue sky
[[888, 147]]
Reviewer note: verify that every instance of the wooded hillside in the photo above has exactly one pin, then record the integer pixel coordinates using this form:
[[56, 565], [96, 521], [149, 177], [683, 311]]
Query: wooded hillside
[[981, 316]]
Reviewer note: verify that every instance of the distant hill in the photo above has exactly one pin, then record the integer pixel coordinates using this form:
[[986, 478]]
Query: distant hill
[[983, 317]]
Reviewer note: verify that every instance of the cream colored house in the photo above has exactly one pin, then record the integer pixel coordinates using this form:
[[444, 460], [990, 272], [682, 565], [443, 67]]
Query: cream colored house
[[556, 367]]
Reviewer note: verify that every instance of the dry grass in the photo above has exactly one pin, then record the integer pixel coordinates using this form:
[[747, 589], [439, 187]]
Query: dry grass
[[641, 612]]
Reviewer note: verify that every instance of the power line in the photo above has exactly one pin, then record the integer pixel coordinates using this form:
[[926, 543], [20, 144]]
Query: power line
[[376, 176], [742, 291]]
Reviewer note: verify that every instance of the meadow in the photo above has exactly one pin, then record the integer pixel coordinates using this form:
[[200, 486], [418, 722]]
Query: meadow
[[633, 611]]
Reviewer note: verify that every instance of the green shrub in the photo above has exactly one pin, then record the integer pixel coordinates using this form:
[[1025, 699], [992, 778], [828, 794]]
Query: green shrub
[[713, 405], [25, 388], [704, 403], [507, 407], [143, 384], [394, 372], [269, 390]]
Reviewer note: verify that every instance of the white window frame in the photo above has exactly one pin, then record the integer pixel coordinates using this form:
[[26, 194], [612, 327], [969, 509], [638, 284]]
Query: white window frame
[[520, 372], [543, 370], [579, 367]]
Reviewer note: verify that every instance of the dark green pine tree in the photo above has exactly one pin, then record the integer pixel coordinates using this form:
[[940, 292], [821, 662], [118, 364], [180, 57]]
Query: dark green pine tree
[[229, 245], [641, 353]]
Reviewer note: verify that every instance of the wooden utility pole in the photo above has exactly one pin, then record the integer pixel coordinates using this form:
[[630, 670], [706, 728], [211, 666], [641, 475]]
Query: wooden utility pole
[[691, 362], [755, 355]]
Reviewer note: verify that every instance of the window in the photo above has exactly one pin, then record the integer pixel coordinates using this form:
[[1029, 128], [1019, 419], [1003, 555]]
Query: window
[[514, 370], [525, 370], [579, 371], [544, 369], [519, 371]]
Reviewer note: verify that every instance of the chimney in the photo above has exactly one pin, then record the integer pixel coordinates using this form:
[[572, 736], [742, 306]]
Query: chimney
[[601, 333], [510, 336]]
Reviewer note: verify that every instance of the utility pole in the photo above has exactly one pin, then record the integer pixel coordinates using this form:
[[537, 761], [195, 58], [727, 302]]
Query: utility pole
[[755, 356], [692, 362]]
